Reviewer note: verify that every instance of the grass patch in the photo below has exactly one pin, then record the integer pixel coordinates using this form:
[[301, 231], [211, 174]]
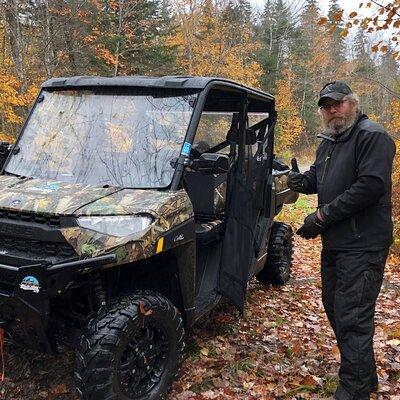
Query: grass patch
[[302, 389], [295, 213], [206, 384], [245, 365], [329, 385], [192, 349], [279, 320], [394, 376]]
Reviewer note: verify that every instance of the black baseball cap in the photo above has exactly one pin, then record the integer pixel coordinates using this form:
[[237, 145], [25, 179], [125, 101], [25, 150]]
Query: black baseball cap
[[334, 90]]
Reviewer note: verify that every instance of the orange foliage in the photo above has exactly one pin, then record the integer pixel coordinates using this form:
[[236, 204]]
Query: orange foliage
[[394, 125], [206, 49], [396, 198], [375, 18], [290, 125], [10, 101]]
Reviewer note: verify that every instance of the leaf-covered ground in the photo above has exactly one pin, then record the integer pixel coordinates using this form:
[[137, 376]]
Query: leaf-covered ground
[[283, 347]]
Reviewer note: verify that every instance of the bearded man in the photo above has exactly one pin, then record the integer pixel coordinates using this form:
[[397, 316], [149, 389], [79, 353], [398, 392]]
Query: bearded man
[[352, 176]]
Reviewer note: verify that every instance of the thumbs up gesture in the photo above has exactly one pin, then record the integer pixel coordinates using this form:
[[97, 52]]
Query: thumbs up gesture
[[295, 177], [295, 167]]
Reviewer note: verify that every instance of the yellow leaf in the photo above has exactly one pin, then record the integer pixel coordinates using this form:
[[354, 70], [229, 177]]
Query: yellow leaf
[[204, 351], [375, 48], [344, 32]]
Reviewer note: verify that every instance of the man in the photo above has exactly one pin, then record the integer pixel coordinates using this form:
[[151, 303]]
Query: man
[[352, 176]]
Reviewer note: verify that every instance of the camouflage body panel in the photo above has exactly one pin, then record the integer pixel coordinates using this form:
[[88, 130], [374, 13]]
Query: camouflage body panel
[[168, 209], [47, 197], [280, 183], [281, 187]]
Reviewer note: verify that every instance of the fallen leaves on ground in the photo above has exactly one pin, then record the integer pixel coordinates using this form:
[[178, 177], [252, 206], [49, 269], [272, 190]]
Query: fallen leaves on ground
[[282, 348]]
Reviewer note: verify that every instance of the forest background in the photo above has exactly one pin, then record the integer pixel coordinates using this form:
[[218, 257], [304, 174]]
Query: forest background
[[288, 48]]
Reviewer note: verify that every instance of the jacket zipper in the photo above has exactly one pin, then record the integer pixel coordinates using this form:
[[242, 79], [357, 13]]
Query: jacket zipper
[[327, 160]]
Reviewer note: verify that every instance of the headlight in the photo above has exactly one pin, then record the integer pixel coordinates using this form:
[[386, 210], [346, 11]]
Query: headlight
[[116, 225]]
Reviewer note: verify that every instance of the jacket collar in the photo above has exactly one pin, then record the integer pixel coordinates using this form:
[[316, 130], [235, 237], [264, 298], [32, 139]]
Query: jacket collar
[[346, 134]]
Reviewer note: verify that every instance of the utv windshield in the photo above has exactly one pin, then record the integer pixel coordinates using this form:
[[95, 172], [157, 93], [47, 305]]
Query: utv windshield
[[103, 138]]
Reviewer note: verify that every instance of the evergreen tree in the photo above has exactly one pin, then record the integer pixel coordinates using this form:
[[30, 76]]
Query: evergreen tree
[[276, 34], [336, 28], [236, 16], [309, 64], [364, 63], [133, 37]]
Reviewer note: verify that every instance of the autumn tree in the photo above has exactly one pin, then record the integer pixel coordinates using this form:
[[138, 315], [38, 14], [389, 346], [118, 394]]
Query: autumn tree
[[312, 63], [131, 36], [290, 126], [209, 44]]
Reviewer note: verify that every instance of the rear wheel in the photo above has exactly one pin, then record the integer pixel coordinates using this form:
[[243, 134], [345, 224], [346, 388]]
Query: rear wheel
[[132, 351], [278, 264]]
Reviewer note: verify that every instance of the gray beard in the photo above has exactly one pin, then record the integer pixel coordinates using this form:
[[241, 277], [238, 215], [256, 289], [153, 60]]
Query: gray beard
[[339, 125]]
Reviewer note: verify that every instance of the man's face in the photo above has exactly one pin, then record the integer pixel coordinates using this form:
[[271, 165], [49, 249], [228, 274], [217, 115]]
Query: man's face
[[338, 116]]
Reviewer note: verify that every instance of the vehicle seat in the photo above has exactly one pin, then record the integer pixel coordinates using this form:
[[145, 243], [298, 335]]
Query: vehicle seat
[[208, 232], [207, 194]]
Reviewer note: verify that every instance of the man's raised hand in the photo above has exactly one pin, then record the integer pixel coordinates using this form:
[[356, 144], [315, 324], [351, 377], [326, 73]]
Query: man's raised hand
[[295, 178]]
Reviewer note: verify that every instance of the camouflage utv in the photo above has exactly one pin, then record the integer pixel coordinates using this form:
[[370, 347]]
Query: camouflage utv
[[129, 207]]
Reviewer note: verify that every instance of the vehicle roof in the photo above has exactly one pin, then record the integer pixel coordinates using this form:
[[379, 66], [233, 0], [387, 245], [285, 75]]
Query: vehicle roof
[[164, 82]]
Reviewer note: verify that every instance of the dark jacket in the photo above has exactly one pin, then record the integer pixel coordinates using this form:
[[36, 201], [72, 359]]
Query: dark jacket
[[352, 176]]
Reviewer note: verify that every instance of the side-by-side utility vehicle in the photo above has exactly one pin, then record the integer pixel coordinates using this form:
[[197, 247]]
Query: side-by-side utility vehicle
[[129, 207]]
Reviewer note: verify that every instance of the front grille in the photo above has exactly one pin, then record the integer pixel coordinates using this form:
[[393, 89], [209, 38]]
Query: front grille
[[22, 216], [7, 277], [7, 280], [35, 249]]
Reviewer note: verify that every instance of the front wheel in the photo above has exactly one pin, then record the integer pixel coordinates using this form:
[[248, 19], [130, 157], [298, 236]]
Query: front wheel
[[278, 264], [131, 351]]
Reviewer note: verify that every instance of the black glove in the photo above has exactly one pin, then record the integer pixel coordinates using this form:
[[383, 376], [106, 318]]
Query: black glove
[[295, 178], [312, 227]]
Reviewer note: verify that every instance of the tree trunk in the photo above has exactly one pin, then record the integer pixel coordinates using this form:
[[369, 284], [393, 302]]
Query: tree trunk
[[49, 55], [13, 27], [119, 33]]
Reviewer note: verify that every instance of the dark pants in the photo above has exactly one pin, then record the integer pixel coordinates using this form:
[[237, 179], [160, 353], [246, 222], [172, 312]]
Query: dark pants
[[351, 281]]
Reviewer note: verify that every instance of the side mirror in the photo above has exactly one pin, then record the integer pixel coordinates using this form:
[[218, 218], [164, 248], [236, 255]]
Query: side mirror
[[5, 149], [212, 163]]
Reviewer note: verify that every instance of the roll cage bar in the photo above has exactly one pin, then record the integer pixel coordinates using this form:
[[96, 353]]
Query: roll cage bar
[[248, 100]]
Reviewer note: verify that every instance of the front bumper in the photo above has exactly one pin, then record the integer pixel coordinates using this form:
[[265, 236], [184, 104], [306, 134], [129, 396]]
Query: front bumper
[[25, 292]]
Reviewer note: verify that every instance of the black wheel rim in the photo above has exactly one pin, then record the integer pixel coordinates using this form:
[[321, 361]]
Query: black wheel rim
[[143, 361]]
